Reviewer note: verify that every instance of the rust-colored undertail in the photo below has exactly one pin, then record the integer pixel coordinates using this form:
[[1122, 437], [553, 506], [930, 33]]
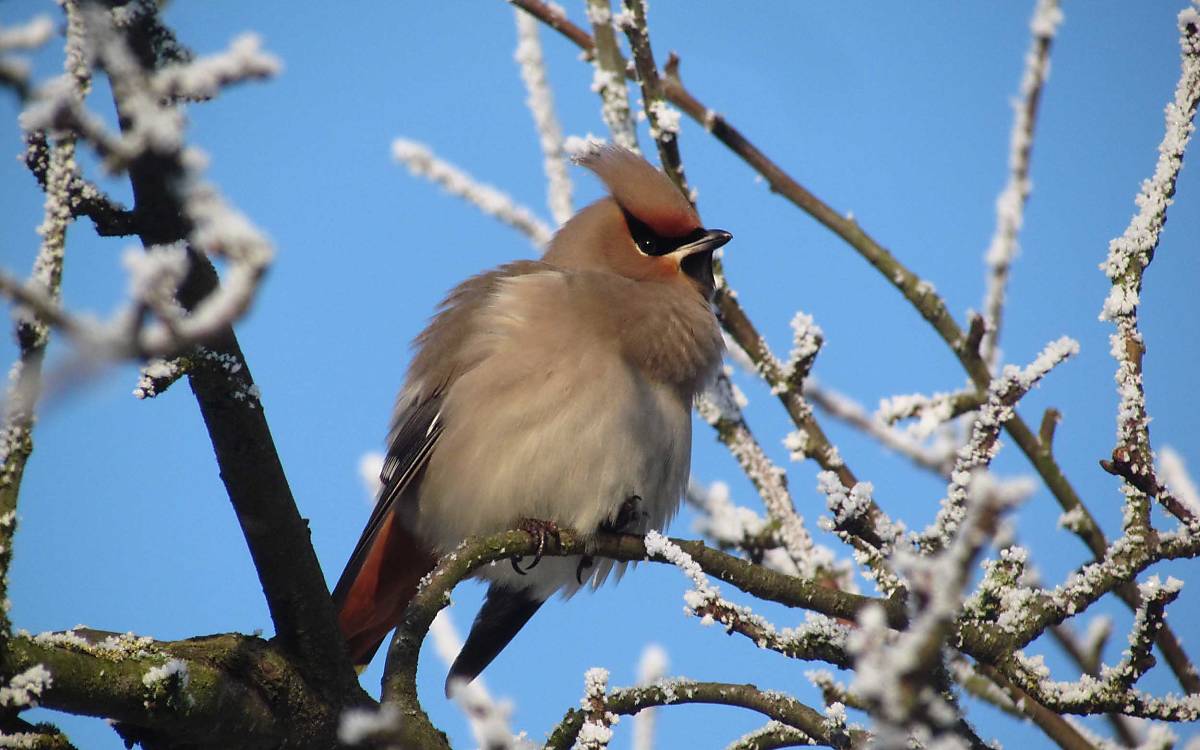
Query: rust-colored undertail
[[378, 583]]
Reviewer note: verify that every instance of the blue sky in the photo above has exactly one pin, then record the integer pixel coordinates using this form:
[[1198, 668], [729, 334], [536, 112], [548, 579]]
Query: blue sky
[[899, 114]]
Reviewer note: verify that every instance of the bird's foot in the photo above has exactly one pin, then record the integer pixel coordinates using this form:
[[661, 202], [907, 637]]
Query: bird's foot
[[540, 530], [585, 562]]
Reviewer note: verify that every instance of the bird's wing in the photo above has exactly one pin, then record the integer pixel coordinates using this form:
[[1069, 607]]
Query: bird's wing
[[412, 441]]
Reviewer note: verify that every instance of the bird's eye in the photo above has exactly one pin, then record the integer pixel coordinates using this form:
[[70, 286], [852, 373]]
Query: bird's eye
[[648, 243]]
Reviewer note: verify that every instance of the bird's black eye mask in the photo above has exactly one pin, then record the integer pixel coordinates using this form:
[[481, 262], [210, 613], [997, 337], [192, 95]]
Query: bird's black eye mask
[[653, 244]]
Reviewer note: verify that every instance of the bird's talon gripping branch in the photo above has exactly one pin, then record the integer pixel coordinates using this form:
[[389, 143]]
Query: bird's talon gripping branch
[[515, 562], [539, 530], [585, 562]]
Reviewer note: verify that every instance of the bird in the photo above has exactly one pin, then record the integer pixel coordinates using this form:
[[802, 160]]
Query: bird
[[545, 394]]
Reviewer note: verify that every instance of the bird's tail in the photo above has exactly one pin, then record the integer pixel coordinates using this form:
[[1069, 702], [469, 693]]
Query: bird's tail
[[504, 612], [377, 585]]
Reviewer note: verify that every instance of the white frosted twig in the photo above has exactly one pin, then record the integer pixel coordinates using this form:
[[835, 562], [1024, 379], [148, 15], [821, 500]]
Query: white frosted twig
[[370, 466], [596, 732], [45, 285], [853, 505], [1128, 256], [540, 101], [1175, 476], [938, 457], [29, 35], [1010, 206], [357, 726], [25, 689], [774, 732], [819, 635], [608, 79], [204, 78], [1112, 690], [651, 668], [807, 338], [737, 527], [157, 375], [487, 717], [930, 412], [422, 162], [153, 125], [719, 406], [977, 454], [895, 674]]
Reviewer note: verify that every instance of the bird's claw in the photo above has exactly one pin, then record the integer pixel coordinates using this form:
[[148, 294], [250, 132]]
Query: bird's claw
[[539, 530], [585, 562]]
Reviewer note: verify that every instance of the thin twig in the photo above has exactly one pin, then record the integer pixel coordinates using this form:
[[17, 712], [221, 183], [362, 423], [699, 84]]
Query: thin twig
[[1010, 206], [541, 104], [609, 77], [1128, 257]]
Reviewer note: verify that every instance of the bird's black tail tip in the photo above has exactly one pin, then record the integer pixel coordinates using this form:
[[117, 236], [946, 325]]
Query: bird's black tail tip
[[505, 611]]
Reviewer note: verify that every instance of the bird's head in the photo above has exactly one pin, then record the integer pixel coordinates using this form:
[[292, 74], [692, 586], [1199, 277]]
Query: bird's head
[[646, 230]]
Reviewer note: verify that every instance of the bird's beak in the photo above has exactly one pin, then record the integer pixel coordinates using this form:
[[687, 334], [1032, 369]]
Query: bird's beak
[[710, 240], [696, 260]]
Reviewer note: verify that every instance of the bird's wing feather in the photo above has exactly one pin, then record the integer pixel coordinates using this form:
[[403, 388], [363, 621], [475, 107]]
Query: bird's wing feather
[[417, 431]]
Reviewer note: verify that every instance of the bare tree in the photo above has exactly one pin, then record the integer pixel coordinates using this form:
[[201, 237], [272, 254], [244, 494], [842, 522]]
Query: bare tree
[[929, 635]]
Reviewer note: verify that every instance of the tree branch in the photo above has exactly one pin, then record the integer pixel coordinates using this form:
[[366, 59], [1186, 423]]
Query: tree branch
[[277, 536], [213, 691], [400, 688], [776, 706]]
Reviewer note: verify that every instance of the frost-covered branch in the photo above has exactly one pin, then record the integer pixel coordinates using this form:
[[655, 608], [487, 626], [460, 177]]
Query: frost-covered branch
[[608, 80], [1090, 695], [902, 677], [541, 104], [109, 217], [1064, 733], [663, 118], [819, 638], [1177, 480], [930, 412], [720, 407], [680, 691], [183, 221], [403, 653], [422, 162], [786, 382], [977, 454], [1128, 257], [17, 410], [652, 667], [851, 509], [771, 735], [205, 78], [191, 691], [938, 458], [487, 717], [153, 130], [1010, 206], [14, 71]]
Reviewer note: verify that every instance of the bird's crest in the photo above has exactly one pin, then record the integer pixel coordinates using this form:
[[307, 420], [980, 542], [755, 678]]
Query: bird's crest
[[641, 189]]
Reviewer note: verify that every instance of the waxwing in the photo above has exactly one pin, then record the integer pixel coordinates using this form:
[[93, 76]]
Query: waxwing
[[545, 393]]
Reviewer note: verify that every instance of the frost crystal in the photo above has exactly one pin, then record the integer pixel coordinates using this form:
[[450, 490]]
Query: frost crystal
[[24, 689], [358, 725]]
